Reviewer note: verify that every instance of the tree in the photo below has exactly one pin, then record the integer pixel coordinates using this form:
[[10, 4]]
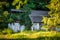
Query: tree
[[19, 3], [54, 19], [25, 5], [5, 6]]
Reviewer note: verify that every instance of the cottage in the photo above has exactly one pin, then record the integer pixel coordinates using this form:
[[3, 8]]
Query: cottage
[[36, 18], [15, 26]]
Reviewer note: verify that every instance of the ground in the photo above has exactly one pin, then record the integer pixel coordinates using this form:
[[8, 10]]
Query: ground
[[30, 35]]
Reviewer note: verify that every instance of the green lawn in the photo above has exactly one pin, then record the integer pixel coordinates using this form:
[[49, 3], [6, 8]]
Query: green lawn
[[31, 35]]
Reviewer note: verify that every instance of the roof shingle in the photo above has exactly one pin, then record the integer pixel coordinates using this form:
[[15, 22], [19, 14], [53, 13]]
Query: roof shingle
[[36, 16]]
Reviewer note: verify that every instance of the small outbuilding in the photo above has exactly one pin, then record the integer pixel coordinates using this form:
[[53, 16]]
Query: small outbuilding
[[15, 25], [36, 18]]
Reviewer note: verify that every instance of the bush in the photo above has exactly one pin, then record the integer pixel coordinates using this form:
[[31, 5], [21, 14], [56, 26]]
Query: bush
[[7, 31], [54, 15], [38, 4]]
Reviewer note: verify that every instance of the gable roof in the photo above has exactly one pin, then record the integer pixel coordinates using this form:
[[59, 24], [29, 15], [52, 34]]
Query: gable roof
[[39, 13], [36, 15], [16, 11]]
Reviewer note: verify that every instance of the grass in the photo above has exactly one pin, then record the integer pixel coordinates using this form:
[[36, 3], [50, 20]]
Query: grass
[[29, 35]]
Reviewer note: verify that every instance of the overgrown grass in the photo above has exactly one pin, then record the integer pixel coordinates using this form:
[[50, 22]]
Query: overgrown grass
[[6, 31], [35, 35], [29, 35], [41, 38]]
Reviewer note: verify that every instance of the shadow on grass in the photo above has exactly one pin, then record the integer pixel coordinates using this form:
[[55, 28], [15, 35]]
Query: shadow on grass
[[41, 38]]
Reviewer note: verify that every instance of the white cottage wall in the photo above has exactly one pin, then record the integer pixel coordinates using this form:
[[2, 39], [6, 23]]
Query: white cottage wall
[[35, 26], [22, 28], [16, 27], [58, 29]]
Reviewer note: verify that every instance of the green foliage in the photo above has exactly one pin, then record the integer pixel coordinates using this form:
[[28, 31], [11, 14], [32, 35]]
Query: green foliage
[[37, 4], [3, 16], [14, 16], [25, 20], [3, 25], [54, 13], [25, 5], [7, 31], [19, 3], [3, 19], [33, 4], [10, 20]]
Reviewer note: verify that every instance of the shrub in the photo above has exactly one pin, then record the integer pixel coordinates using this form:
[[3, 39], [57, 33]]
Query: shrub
[[54, 20], [7, 31]]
